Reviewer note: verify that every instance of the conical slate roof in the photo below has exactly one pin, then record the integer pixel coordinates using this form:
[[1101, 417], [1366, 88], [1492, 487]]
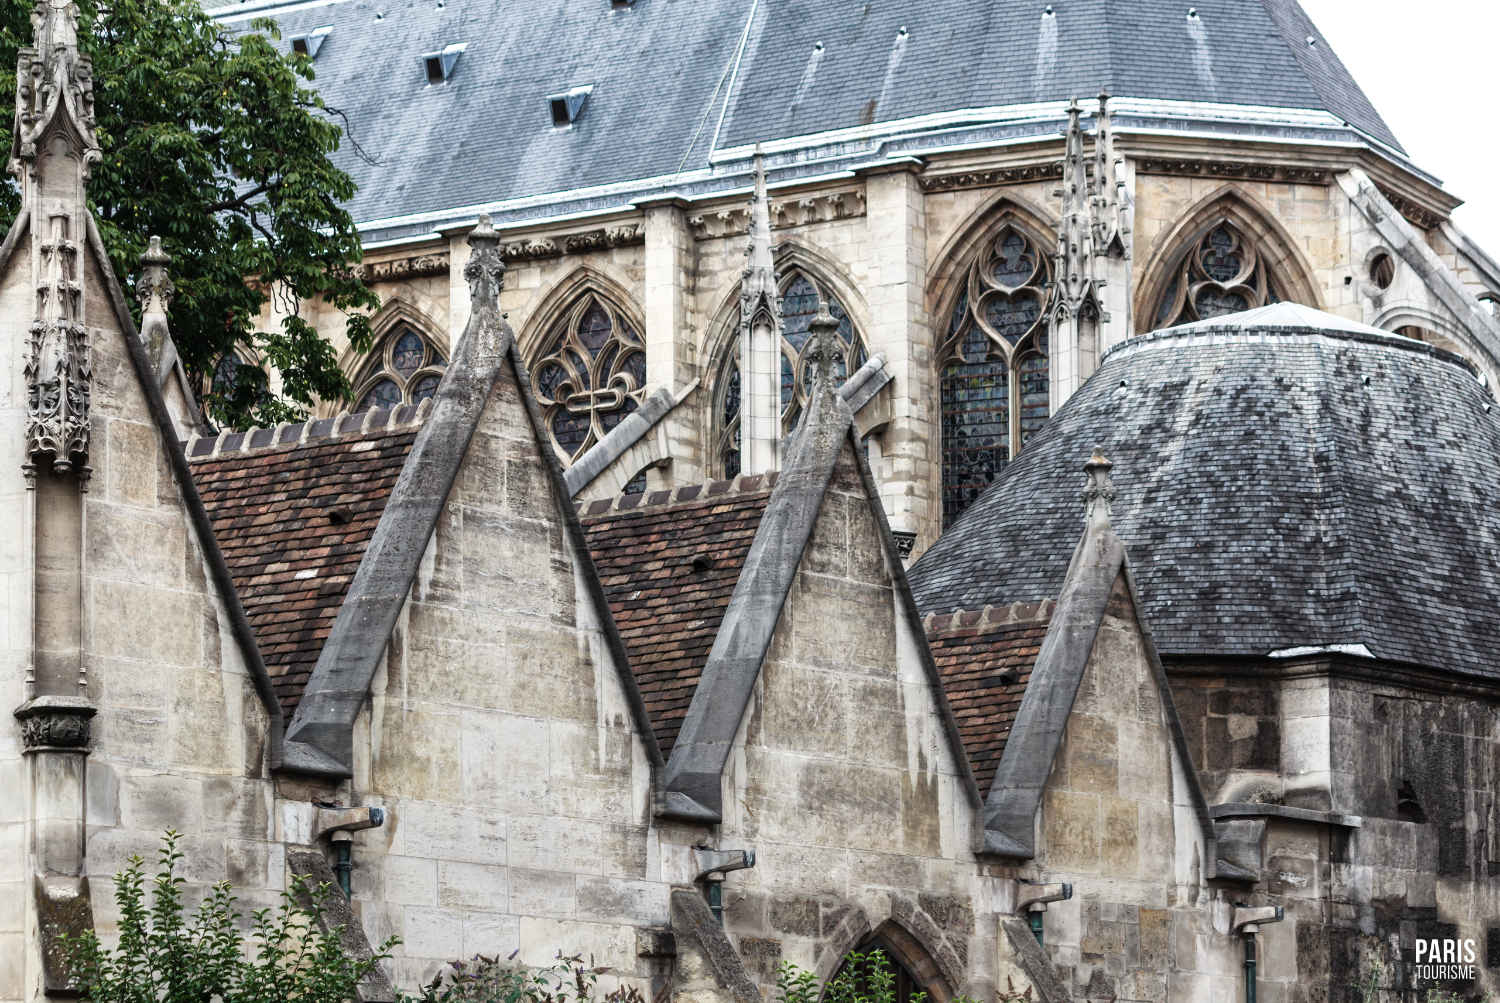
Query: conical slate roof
[[671, 83], [1284, 478]]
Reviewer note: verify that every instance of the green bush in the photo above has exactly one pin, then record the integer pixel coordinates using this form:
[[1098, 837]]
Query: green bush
[[166, 955], [490, 980], [863, 978]]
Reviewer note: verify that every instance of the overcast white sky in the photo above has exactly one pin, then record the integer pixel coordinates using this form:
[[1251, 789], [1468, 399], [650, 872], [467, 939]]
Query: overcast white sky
[[1431, 71]]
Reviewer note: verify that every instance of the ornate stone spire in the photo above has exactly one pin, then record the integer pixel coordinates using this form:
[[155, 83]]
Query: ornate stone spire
[[485, 271], [1098, 490], [760, 340], [1076, 291], [759, 298], [53, 149], [1111, 200], [823, 349]]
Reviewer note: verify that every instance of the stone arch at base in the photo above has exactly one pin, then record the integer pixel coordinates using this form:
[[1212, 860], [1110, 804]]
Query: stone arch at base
[[932, 975]]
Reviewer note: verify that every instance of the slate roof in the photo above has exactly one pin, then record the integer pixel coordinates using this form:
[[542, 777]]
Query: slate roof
[[985, 661], [293, 522], [669, 561], [670, 84], [1277, 486]]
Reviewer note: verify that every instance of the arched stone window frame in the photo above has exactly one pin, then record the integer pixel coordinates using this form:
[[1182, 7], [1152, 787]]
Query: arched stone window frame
[[584, 389], [1284, 270], [406, 359], [934, 969], [793, 262], [978, 344]]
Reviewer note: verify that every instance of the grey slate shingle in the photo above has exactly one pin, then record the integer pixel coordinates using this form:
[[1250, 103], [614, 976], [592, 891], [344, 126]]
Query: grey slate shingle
[[1280, 488], [657, 68]]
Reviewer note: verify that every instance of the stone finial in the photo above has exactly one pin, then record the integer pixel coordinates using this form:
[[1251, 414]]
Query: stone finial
[[823, 349], [154, 288], [1098, 490], [759, 296], [485, 271]]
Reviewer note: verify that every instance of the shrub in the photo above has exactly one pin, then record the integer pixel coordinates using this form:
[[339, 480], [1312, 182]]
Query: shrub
[[165, 955], [490, 980]]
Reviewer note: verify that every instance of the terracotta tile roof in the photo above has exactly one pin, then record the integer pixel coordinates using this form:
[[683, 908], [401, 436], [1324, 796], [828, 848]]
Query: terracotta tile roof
[[985, 661], [293, 522], [668, 561]]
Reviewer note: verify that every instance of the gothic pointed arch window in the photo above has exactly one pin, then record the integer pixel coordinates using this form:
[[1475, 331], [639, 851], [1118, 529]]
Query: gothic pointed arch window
[[404, 368], [800, 296], [910, 973], [1221, 271], [994, 380], [589, 374]]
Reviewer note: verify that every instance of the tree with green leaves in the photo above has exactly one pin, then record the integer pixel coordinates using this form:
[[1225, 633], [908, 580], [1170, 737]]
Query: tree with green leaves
[[214, 141]]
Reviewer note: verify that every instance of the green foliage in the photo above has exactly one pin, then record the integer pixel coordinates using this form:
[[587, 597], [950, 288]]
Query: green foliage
[[165, 955], [491, 980], [215, 143], [863, 978]]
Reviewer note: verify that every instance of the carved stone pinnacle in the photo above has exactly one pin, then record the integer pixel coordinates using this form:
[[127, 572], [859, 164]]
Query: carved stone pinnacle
[[1098, 490], [485, 271]]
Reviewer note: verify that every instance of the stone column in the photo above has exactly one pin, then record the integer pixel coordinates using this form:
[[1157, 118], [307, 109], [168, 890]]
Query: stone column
[[910, 458], [669, 248], [670, 361]]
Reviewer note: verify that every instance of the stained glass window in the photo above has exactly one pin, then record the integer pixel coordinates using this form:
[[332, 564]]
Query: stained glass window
[[404, 368], [1222, 273], [994, 378], [590, 375], [800, 296]]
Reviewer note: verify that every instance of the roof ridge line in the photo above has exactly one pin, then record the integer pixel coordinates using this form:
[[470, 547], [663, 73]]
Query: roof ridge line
[[742, 485], [343, 424]]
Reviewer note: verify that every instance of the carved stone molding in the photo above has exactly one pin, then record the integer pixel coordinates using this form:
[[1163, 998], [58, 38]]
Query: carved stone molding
[[600, 239], [991, 177], [413, 267], [734, 221], [54, 722], [1232, 169], [1419, 215]]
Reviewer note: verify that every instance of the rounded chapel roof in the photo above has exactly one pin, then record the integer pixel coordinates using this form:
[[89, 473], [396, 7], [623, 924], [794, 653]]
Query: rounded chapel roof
[[1284, 479]]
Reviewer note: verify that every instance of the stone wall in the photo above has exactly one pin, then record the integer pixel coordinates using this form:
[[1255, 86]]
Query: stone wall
[[1117, 821], [842, 780], [499, 740]]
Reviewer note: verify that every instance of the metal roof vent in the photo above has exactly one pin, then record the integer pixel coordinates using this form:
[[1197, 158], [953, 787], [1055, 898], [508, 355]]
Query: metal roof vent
[[567, 107], [440, 64], [618, 4], [309, 44]]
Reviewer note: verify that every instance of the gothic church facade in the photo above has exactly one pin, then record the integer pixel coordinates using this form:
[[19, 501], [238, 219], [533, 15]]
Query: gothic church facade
[[701, 581]]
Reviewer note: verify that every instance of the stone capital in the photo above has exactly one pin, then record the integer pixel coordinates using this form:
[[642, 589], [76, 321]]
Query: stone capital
[[55, 723]]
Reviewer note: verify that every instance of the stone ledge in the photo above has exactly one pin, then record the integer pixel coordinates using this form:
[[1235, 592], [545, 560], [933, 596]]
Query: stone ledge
[[1254, 809]]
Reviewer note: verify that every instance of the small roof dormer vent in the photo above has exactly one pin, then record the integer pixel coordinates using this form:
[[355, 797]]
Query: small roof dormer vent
[[439, 65], [308, 44], [567, 107]]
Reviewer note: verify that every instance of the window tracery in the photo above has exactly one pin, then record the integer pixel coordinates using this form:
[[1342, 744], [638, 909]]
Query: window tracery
[[1222, 273], [589, 376], [800, 296], [994, 381], [406, 369]]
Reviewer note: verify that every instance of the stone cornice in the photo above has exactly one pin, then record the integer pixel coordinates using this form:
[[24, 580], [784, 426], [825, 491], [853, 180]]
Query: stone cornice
[[599, 239], [734, 221], [1415, 213], [410, 267], [991, 177], [1234, 169]]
